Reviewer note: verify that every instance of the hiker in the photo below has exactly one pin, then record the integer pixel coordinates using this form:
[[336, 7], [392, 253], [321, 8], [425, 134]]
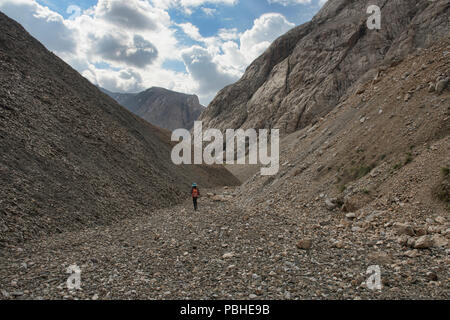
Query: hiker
[[195, 194]]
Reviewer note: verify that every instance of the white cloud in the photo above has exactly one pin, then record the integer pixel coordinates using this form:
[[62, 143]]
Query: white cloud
[[253, 42], [38, 20], [209, 11], [123, 46], [223, 61], [165, 4], [290, 2], [138, 15], [265, 30], [191, 30], [203, 69]]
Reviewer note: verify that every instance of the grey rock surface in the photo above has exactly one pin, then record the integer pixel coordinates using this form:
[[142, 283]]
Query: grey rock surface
[[306, 72]]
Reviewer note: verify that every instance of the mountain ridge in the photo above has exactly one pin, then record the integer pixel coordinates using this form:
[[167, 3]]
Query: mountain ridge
[[311, 68], [71, 156], [162, 107]]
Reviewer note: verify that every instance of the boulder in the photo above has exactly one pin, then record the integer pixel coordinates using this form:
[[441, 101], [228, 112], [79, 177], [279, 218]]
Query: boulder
[[424, 242], [304, 244], [403, 228], [441, 86]]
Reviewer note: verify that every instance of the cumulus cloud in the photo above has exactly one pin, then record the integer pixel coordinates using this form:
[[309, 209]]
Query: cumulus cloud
[[290, 2], [122, 81], [38, 20], [165, 4], [123, 45], [265, 30], [129, 14], [139, 52], [222, 60], [201, 66], [253, 42]]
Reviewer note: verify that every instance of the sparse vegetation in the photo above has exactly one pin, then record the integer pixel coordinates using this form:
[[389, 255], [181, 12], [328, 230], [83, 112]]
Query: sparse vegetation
[[409, 158], [362, 171], [442, 190], [397, 166]]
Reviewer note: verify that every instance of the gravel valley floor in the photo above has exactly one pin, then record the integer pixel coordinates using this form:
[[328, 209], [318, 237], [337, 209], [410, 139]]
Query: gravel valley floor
[[219, 252]]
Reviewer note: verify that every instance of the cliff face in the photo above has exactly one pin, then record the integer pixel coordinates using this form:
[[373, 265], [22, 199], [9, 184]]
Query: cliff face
[[164, 108], [70, 156], [306, 72]]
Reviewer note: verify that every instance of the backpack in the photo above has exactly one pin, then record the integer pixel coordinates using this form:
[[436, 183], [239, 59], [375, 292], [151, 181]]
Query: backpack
[[195, 193]]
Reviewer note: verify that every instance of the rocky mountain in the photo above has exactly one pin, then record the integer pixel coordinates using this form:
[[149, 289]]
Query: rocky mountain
[[305, 73], [70, 156], [363, 182], [164, 108]]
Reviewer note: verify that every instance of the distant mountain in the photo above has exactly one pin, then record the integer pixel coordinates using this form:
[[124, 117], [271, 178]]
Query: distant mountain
[[164, 108], [72, 157]]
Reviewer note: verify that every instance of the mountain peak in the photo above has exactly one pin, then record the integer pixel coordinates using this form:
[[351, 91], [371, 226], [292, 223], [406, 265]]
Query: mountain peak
[[162, 107]]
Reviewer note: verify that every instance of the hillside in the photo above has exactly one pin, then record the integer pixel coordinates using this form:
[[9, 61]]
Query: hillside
[[364, 175], [305, 73], [161, 107], [70, 156]]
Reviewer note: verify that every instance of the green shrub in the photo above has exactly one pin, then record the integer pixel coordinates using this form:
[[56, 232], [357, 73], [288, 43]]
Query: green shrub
[[397, 166]]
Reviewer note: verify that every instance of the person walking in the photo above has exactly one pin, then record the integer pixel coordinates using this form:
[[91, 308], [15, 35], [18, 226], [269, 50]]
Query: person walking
[[195, 192]]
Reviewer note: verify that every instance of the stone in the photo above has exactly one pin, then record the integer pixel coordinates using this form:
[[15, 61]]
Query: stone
[[420, 232], [439, 241], [381, 258], [411, 253], [411, 242], [228, 255], [339, 244], [304, 244], [330, 204], [432, 276], [403, 239], [440, 220], [358, 229], [403, 228], [219, 198], [351, 215], [424, 242], [441, 86]]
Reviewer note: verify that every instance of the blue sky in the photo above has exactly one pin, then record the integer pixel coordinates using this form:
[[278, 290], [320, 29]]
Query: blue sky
[[191, 46]]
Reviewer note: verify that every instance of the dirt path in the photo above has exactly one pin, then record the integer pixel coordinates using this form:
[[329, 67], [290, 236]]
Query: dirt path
[[220, 252]]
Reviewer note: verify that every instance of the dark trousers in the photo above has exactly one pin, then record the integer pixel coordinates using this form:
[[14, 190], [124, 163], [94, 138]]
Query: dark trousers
[[195, 203]]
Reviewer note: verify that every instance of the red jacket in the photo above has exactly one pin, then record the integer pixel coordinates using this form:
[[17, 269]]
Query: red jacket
[[195, 193]]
